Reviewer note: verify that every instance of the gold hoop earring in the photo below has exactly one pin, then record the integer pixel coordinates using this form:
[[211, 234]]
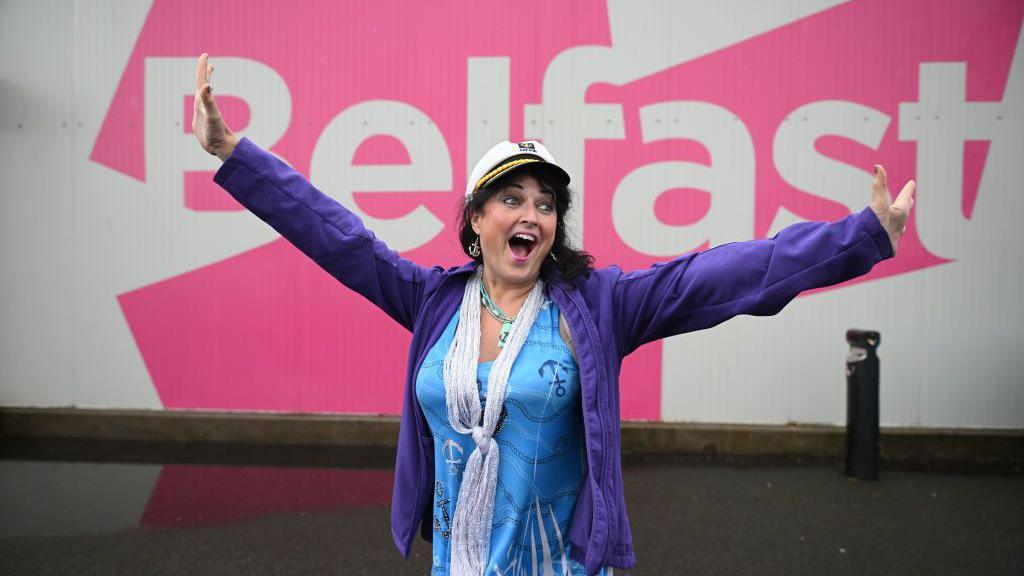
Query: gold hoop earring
[[474, 248]]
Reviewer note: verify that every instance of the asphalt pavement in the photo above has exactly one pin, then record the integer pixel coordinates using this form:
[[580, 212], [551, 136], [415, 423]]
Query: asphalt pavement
[[142, 516]]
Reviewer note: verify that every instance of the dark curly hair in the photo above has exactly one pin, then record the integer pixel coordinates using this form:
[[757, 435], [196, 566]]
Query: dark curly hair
[[568, 262]]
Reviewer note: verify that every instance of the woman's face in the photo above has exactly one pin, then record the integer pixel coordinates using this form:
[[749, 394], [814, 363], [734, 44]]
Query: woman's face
[[517, 229]]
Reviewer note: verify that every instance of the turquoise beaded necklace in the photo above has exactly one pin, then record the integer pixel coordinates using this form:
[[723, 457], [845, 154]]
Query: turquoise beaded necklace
[[497, 312]]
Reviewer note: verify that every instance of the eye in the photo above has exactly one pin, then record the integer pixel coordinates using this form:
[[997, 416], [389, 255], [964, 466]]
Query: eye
[[546, 207], [510, 201]]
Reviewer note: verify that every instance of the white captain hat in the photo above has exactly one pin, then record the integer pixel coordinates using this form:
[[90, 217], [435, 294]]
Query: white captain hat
[[505, 157]]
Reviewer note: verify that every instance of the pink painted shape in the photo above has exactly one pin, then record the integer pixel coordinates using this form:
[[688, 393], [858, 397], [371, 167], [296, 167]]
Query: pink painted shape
[[640, 384], [381, 149], [682, 206], [203, 195], [203, 495], [975, 154], [865, 51], [265, 330]]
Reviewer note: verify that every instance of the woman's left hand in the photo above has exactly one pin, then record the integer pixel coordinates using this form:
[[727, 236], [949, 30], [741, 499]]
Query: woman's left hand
[[892, 215]]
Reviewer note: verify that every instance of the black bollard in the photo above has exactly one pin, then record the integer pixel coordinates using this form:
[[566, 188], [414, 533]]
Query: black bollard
[[862, 405]]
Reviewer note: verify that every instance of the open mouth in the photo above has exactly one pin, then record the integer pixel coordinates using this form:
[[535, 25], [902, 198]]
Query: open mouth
[[522, 246]]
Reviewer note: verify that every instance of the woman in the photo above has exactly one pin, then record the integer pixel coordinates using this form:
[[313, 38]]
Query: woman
[[512, 376]]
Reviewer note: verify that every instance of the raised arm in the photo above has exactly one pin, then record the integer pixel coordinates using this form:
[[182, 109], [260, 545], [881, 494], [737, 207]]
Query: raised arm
[[759, 277], [315, 223]]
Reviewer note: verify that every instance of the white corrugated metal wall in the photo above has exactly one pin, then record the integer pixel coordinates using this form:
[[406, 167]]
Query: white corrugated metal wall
[[75, 234]]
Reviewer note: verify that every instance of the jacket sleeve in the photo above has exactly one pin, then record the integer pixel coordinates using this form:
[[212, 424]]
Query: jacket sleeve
[[324, 230], [758, 277]]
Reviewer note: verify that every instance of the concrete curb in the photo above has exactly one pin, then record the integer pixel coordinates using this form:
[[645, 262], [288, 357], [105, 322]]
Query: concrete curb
[[910, 445], [195, 426]]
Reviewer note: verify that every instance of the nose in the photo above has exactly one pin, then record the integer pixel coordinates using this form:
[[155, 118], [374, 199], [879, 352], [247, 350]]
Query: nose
[[529, 215]]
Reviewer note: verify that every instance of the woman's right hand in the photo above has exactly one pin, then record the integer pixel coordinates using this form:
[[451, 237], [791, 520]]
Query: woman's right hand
[[207, 124]]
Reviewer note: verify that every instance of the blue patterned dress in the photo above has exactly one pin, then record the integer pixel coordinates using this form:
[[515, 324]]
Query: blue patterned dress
[[540, 438]]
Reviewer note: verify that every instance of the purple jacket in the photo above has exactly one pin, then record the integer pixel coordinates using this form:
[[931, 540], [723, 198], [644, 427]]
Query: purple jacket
[[609, 314]]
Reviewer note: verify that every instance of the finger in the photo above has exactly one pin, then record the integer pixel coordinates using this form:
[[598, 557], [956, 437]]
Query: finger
[[197, 103], [211, 105], [879, 190], [905, 200], [201, 66], [197, 113], [881, 176]]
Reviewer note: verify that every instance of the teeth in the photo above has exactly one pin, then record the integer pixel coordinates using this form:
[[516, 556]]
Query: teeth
[[529, 237]]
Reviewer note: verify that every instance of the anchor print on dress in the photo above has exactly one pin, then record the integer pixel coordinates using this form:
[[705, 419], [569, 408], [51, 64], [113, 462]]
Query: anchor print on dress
[[442, 525], [453, 459], [556, 380]]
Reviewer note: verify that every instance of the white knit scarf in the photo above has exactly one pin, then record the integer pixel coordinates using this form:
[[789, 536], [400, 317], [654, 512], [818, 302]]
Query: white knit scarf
[[471, 526]]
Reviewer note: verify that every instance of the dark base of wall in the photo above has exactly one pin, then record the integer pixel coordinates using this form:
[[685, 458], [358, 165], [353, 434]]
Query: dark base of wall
[[313, 439]]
